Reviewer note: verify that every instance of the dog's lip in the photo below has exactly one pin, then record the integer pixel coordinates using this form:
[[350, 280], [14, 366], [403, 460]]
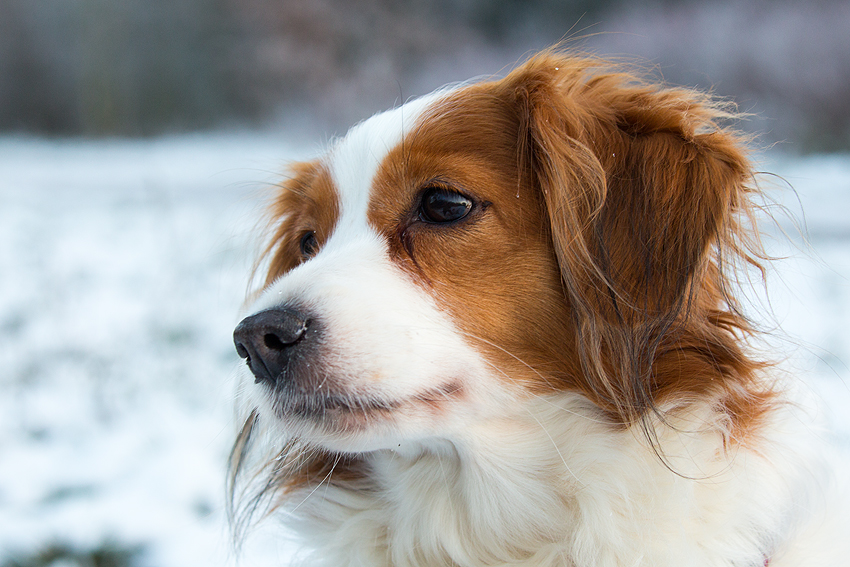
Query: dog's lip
[[328, 404]]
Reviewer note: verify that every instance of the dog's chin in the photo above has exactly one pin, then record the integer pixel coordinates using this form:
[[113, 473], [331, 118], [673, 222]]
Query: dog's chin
[[341, 423], [351, 423]]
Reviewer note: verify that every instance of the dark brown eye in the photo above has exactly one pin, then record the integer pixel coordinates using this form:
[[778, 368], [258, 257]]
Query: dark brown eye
[[309, 245], [440, 205]]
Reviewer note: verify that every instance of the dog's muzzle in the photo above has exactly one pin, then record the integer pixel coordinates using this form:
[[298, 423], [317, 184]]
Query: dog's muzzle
[[268, 340]]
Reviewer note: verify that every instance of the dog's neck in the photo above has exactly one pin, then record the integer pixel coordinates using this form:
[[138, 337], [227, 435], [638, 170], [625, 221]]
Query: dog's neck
[[479, 501], [551, 486]]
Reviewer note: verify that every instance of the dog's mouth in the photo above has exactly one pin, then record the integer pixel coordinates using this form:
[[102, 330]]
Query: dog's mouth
[[324, 406], [348, 409]]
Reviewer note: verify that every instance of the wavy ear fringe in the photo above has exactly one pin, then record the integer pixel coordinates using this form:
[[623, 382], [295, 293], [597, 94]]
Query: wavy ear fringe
[[260, 482], [255, 482], [645, 192]]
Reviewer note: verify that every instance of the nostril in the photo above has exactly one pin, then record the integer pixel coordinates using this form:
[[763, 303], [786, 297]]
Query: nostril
[[267, 340], [273, 342], [242, 351]]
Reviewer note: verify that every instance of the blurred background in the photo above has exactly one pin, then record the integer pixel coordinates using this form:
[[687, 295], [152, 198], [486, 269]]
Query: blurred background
[[147, 67], [138, 138]]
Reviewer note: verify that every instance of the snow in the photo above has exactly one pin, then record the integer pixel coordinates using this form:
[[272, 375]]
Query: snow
[[809, 282], [123, 265]]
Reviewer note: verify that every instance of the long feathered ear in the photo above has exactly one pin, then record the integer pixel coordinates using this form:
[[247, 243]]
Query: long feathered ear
[[304, 201], [643, 191]]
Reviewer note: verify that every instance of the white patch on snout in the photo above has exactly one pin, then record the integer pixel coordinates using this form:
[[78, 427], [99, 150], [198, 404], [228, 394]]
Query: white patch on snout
[[383, 340], [384, 337]]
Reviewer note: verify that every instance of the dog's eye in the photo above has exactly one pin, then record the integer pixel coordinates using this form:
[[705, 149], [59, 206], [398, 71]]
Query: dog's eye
[[441, 205], [309, 245]]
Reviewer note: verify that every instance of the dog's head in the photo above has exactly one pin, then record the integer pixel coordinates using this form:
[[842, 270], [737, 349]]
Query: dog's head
[[563, 229]]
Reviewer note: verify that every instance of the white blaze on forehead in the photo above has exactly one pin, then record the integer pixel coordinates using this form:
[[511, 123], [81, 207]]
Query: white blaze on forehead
[[353, 163], [354, 160]]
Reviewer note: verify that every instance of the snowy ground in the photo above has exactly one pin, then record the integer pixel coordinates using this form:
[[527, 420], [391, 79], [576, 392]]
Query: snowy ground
[[122, 269]]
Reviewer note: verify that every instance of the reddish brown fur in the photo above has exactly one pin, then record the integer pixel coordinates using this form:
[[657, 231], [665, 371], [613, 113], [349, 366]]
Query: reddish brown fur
[[600, 259], [596, 265], [307, 201]]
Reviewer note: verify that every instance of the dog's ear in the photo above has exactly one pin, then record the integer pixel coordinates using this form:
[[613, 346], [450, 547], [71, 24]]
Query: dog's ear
[[304, 202], [281, 245], [642, 190]]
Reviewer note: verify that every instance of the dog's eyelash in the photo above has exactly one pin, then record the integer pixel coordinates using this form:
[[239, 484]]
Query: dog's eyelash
[[308, 245]]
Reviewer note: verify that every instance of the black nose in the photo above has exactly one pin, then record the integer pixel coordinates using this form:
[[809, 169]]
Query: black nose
[[267, 340]]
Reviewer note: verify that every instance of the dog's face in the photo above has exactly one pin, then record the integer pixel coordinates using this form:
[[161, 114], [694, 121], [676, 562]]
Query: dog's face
[[450, 258], [414, 283]]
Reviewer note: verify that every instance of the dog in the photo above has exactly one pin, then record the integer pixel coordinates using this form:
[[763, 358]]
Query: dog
[[499, 325]]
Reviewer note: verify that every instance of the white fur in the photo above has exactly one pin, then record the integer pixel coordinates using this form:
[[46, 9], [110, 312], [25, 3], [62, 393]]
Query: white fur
[[548, 485], [503, 477]]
